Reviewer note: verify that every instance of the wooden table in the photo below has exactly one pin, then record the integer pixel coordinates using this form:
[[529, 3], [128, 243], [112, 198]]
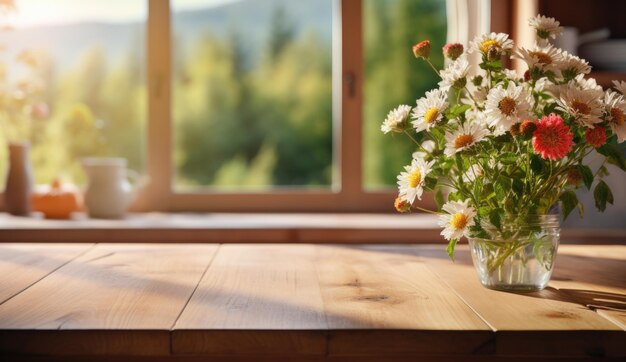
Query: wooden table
[[189, 302]]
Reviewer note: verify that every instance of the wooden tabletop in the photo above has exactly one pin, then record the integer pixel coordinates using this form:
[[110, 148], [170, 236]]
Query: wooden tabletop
[[299, 301]]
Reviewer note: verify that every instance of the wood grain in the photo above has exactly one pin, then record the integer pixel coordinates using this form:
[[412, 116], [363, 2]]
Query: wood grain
[[22, 265], [113, 287], [399, 305], [255, 299], [302, 302], [595, 278], [553, 322]]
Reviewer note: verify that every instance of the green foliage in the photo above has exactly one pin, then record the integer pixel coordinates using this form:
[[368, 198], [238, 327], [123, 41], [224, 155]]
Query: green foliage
[[450, 248], [602, 194], [393, 76], [587, 175], [493, 66], [456, 111], [614, 155], [569, 201]]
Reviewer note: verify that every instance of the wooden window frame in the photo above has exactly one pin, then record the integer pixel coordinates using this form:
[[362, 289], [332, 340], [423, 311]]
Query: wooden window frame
[[348, 195]]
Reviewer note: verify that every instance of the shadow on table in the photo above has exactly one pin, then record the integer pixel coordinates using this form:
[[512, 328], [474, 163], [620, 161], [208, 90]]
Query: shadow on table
[[592, 299], [592, 270]]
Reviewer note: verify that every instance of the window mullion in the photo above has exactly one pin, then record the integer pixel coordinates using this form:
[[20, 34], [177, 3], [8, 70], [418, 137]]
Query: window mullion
[[159, 130], [352, 98]]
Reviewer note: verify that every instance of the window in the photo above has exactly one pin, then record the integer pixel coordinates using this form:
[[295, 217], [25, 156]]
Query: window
[[246, 105], [252, 95], [86, 64], [393, 76]]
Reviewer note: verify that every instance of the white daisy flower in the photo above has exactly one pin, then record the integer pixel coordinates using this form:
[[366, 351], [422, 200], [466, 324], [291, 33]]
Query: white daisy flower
[[429, 110], [571, 66], [505, 107], [458, 220], [615, 108], [497, 43], [582, 104], [546, 58], [411, 182], [465, 137], [620, 86], [511, 74], [455, 74], [545, 27], [396, 119], [587, 84]]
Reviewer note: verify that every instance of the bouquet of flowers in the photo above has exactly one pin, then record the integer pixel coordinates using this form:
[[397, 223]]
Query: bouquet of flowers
[[498, 149]]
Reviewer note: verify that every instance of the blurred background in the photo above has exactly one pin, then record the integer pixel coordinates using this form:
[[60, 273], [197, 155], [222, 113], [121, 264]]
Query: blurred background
[[252, 88]]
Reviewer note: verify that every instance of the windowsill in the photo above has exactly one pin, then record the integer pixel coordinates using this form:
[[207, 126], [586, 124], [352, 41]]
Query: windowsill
[[252, 228]]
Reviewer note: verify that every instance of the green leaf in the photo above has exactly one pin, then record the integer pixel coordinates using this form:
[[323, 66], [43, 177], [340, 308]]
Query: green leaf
[[459, 163], [518, 186], [614, 155], [536, 164], [430, 183], [508, 158], [602, 194], [569, 200], [477, 231], [439, 198], [495, 65], [495, 218], [456, 110], [509, 205], [550, 108], [455, 196], [450, 248], [483, 211], [603, 171], [587, 175], [488, 192]]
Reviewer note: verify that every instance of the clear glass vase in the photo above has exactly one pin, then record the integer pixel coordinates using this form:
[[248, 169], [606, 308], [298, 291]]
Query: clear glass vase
[[518, 256]]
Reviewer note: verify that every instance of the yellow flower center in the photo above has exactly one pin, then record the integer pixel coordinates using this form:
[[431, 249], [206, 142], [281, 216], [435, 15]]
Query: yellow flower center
[[507, 106], [431, 115], [463, 140], [542, 57], [580, 107], [458, 221], [415, 178], [618, 116], [488, 44]]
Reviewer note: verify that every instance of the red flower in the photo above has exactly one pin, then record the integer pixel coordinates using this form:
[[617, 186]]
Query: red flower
[[596, 136], [452, 51], [422, 49], [552, 139]]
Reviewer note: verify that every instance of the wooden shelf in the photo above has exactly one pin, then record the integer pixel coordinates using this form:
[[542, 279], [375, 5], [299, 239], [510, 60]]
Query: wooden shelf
[[168, 302], [252, 228]]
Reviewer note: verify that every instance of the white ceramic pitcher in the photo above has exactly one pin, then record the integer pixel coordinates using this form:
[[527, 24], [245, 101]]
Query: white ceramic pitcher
[[109, 191]]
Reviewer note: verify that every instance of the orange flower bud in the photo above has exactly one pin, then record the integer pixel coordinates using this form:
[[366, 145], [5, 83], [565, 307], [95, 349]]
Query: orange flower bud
[[452, 51], [401, 205], [422, 49]]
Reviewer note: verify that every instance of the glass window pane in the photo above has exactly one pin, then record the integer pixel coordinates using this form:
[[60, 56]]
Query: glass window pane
[[252, 95], [393, 76], [84, 61]]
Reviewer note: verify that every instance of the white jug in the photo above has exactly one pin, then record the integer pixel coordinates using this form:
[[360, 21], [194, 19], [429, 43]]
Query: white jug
[[109, 191]]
